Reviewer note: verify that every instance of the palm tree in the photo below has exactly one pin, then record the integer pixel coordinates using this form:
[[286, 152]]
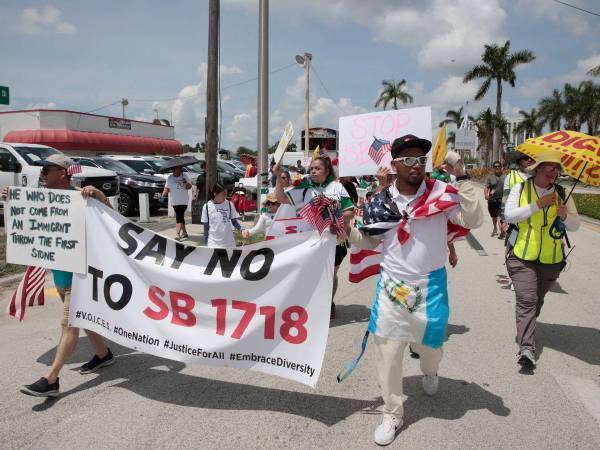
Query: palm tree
[[393, 91], [552, 109], [485, 125], [456, 117], [594, 71], [498, 65], [575, 106], [531, 122], [590, 105]]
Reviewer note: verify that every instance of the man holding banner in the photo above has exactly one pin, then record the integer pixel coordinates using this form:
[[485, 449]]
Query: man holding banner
[[56, 174], [411, 301]]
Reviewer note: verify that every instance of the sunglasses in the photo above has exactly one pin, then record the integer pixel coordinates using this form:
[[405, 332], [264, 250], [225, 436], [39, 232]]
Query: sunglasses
[[497, 167], [410, 161]]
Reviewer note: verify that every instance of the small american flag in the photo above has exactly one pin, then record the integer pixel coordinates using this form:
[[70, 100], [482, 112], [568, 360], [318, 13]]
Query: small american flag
[[29, 292], [73, 169], [316, 215], [378, 149]]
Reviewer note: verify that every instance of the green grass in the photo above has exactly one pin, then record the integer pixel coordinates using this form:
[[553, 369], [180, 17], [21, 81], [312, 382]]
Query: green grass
[[588, 204], [7, 269], [252, 240]]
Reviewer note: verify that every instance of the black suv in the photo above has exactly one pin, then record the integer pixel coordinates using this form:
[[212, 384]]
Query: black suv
[[131, 183]]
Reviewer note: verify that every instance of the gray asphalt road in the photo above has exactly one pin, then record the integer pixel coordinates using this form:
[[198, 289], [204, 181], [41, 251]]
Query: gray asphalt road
[[484, 402]]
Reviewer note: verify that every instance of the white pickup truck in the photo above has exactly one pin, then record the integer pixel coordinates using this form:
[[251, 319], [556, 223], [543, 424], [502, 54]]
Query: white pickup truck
[[18, 168]]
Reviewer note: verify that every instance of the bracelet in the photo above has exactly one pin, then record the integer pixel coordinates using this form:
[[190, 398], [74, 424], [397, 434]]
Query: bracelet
[[466, 176]]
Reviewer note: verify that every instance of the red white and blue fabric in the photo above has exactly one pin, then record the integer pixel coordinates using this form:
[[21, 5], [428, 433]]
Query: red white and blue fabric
[[382, 215], [73, 169], [29, 292], [321, 213], [378, 149]]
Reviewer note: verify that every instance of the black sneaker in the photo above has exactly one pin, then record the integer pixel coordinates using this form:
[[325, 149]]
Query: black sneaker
[[413, 354], [41, 388], [97, 363], [526, 359], [332, 312]]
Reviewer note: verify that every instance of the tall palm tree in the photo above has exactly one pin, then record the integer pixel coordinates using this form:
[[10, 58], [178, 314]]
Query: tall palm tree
[[532, 123], [498, 65], [590, 105], [393, 91], [485, 125], [552, 109], [594, 71], [576, 106]]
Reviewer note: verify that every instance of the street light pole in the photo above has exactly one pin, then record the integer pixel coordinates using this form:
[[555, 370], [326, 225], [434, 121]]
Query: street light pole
[[124, 103], [263, 100], [304, 60]]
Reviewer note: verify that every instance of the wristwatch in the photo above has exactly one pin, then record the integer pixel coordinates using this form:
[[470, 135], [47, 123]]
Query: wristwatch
[[466, 176]]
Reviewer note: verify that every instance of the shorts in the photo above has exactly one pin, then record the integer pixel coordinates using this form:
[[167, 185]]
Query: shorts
[[65, 297], [180, 213], [340, 253], [494, 208]]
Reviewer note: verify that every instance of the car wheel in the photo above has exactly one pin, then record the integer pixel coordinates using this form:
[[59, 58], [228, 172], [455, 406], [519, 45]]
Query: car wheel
[[126, 206]]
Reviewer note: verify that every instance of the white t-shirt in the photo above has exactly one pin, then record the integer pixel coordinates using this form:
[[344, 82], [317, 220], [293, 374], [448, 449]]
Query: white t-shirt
[[219, 216], [176, 186]]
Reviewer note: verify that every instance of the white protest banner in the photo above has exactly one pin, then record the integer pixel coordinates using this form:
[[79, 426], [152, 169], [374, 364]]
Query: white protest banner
[[465, 139], [46, 228], [263, 306], [286, 137], [365, 139]]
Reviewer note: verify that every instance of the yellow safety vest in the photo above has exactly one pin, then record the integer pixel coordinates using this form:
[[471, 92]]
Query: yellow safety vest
[[534, 242], [514, 178]]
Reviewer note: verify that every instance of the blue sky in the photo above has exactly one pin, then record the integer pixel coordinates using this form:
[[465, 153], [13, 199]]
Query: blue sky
[[85, 55]]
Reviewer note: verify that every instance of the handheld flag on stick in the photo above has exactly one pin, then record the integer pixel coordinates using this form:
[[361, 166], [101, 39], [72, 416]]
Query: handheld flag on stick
[[439, 149]]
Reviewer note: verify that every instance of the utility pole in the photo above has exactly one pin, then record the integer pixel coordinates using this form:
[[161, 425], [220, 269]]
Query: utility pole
[[212, 106], [263, 100]]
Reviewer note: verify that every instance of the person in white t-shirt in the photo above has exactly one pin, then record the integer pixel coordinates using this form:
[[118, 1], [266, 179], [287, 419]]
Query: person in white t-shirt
[[265, 221], [218, 215], [178, 184]]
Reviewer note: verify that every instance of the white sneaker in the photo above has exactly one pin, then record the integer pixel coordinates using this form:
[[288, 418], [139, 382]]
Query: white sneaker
[[386, 432], [430, 384]]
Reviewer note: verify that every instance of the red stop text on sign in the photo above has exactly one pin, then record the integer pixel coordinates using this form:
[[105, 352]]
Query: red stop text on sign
[[291, 320]]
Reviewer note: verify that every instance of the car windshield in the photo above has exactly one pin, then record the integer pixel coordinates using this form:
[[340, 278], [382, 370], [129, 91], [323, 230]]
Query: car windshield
[[34, 154], [115, 166], [194, 168], [155, 163], [139, 165]]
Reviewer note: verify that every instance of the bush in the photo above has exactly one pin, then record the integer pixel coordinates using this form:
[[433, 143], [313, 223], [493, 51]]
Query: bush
[[588, 204]]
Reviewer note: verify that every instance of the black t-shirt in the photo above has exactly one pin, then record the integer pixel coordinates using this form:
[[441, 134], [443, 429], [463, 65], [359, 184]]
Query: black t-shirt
[[495, 185]]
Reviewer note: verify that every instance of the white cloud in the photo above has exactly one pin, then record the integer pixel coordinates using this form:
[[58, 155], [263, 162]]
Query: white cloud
[[534, 88], [579, 73], [448, 34], [242, 131], [35, 21], [49, 105], [569, 19], [224, 70]]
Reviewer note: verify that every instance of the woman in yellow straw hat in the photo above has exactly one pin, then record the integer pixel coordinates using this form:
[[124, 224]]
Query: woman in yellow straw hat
[[535, 253]]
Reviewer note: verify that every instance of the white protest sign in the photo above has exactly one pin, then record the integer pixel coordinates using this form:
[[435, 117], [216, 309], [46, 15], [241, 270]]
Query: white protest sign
[[46, 228], [465, 139], [286, 137], [364, 138], [263, 306]]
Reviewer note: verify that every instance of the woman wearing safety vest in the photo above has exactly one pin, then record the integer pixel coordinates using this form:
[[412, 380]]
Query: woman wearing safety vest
[[535, 254]]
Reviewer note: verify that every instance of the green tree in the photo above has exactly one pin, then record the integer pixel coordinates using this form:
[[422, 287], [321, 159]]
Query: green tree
[[531, 123], [552, 109], [393, 91], [498, 66], [241, 150], [594, 71]]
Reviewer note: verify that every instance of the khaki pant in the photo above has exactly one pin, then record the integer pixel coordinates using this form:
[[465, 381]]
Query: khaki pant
[[65, 297], [390, 355], [531, 281]]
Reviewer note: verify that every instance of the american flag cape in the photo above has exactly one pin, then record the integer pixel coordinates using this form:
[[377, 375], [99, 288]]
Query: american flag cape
[[29, 292], [382, 214], [378, 149]]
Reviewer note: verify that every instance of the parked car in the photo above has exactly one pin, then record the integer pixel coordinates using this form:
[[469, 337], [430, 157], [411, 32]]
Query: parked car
[[132, 183], [18, 168]]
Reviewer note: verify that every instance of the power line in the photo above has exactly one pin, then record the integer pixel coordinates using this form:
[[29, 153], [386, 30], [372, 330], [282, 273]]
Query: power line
[[577, 7], [327, 91], [249, 80], [105, 106]]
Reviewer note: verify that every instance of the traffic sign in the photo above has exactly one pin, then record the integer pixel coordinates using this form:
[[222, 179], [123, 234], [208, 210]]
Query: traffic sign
[[4, 95]]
